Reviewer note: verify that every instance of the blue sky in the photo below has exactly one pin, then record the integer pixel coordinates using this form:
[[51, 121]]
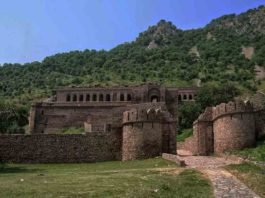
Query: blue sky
[[30, 30]]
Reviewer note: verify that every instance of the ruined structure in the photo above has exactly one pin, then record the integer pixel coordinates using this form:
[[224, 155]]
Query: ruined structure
[[121, 123], [226, 127]]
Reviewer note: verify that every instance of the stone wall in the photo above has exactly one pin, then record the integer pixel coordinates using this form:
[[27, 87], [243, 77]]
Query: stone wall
[[228, 126], [233, 126], [55, 148], [148, 131]]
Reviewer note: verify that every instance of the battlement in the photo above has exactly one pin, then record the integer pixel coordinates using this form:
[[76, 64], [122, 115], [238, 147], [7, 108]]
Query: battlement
[[142, 115], [232, 108], [148, 112]]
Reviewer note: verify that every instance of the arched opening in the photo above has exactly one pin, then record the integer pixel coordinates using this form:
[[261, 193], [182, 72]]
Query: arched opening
[[68, 98], [190, 97], [129, 97], [185, 97], [94, 97], [81, 98], [101, 97], [154, 95], [87, 97], [179, 98], [74, 98], [122, 97], [108, 97], [154, 99]]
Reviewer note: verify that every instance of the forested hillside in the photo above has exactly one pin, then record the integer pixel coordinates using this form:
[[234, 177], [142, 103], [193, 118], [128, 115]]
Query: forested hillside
[[227, 49]]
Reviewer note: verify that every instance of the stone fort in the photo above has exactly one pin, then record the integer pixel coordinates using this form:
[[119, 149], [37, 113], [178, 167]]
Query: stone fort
[[128, 123], [120, 123]]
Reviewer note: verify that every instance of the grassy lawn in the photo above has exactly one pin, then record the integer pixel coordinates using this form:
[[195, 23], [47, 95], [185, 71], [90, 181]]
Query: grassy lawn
[[252, 175], [256, 154], [73, 130], [185, 133], [146, 178]]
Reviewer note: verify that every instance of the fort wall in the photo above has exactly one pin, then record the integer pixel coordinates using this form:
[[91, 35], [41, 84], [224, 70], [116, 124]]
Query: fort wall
[[55, 148], [147, 132], [233, 126], [228, 126]]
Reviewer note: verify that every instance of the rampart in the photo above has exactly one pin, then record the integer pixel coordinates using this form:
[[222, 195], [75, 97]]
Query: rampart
[[147, 132], [55, 148], [228, 126]]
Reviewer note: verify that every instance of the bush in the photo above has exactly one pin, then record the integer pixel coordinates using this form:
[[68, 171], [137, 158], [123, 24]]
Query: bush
[[188, 114]]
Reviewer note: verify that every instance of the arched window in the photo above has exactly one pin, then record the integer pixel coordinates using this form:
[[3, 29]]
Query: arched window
[[74, 98], [108, 97], [68, 98], [81, 97], [185, 97], [129, 97], [95, 97], [87, 97], [122, 97], [190, 97], [179, 97], [154, 99], [101, 97]]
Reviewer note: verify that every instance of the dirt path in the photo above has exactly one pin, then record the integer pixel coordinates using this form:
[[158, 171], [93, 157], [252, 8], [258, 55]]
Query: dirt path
[[224, 183]]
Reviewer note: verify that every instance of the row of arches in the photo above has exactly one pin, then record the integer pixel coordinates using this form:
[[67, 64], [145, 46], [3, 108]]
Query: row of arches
[[184, 97], [98, 97]]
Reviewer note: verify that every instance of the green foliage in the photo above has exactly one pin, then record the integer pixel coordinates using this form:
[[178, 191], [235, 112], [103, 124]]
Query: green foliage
[[73, 130], [13, 118], [257, 154], [188, 113], [183, 134], [207, 96], [211, 95]]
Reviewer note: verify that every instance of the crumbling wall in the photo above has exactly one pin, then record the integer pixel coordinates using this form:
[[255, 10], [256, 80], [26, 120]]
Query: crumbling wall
[[201, 142]]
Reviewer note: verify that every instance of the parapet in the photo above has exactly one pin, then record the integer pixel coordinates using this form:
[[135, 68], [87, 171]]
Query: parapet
[[206, 115], [229, 108], [146, 113]]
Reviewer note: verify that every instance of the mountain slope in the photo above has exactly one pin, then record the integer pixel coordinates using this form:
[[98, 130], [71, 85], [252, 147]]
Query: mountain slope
[[163, 54]]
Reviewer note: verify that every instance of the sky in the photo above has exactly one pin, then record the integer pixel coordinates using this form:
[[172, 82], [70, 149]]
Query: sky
[[30, 30]]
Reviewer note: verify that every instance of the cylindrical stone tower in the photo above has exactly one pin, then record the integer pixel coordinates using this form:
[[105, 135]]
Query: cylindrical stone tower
[[142, 134], [234, 126]]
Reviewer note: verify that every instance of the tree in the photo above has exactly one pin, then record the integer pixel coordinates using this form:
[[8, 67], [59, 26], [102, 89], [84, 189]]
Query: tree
[[188, 114]]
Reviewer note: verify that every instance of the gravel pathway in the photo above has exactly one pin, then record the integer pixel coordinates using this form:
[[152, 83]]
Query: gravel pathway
[[224, 183]]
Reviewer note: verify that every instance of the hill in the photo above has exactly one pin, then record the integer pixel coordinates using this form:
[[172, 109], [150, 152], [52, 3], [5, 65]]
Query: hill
[[230, 48]]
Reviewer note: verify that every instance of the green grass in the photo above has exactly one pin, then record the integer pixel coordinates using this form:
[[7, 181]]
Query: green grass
[[73, 130], [146, 178], [253, 176], [256, 154], [185, 133]]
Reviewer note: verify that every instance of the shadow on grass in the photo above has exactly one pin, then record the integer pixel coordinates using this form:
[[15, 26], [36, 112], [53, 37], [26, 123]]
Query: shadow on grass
[[8, 170]]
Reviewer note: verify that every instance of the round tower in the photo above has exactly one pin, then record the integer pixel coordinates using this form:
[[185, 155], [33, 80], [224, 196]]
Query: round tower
[[142, 133], [233, 126]]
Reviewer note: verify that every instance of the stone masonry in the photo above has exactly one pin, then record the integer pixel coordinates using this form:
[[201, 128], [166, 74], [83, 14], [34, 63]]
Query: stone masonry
[[231, 126], [121, 123]]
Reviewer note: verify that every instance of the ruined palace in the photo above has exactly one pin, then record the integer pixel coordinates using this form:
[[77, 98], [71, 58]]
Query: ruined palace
[[128, 123], [120, 123]]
